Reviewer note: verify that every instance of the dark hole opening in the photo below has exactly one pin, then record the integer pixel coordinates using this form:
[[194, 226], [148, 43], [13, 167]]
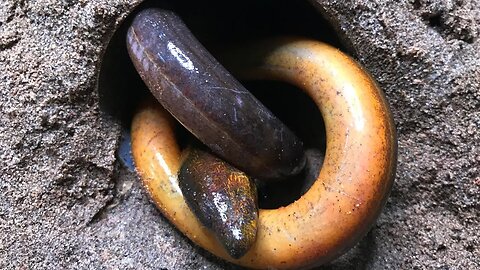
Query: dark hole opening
[[435, 21], [301, 115], [217, 24]]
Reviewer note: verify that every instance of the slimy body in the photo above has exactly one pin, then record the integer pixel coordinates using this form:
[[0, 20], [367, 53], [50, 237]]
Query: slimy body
[[208, 101], [354, 181]]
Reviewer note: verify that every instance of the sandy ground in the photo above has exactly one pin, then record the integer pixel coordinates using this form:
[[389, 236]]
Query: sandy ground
[[65, 202]]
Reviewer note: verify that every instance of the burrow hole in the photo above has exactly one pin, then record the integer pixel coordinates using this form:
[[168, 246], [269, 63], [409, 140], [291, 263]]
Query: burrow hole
[[225, 22]]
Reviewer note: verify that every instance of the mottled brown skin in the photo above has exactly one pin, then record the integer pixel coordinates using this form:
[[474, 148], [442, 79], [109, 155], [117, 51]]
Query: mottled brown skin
[[223, 198], [353, 184], [197, 90]]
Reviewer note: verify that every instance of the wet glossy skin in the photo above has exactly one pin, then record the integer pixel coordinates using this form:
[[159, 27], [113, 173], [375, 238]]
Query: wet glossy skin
[[208, 101], [223, 198], [352, 186]]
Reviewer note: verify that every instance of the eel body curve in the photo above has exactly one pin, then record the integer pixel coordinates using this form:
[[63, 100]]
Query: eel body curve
[[354, 181]]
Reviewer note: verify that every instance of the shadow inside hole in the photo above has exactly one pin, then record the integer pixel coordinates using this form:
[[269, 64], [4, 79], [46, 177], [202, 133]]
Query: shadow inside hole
[[230, 22], [119, 85], [298, 111], [218, 25]]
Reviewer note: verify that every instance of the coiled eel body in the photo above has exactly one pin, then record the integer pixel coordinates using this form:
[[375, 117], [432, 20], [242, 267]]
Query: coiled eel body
[[353, 184]]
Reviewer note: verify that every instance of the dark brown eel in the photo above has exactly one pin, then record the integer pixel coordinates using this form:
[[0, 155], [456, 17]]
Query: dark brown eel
[[202, 95]]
